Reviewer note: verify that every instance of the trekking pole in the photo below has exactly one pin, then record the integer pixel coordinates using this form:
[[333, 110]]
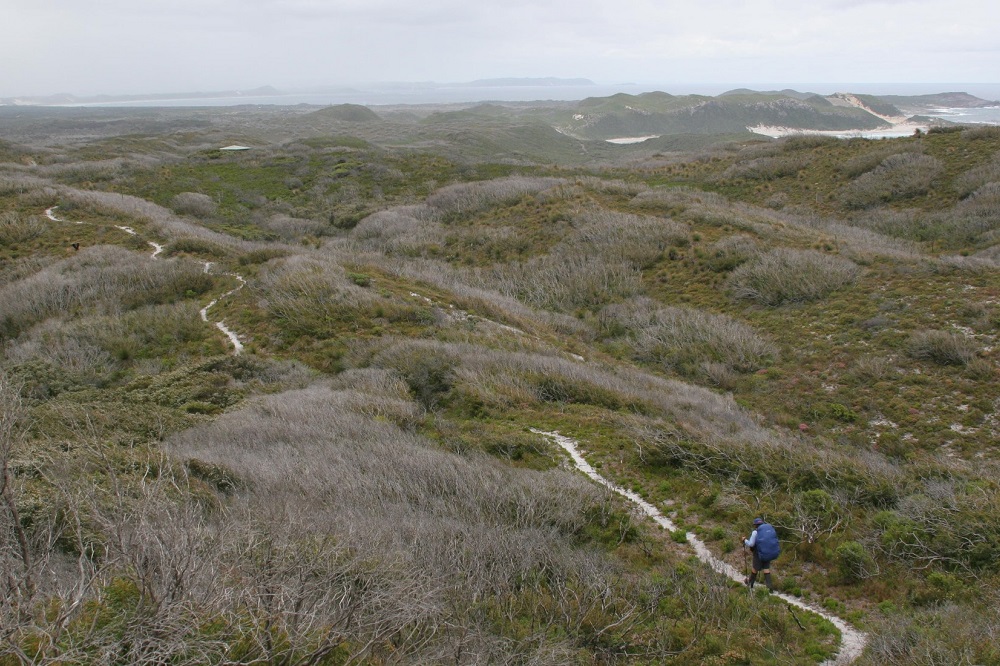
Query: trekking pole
[[746, 569], [792, 613]]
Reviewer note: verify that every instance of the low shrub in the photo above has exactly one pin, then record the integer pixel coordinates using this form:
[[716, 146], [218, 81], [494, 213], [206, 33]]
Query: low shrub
[[854, 563], [293, 228], [563, 283], [732, 251], [685, 338], [898, 177], [621, 237], [197, 246], [194, 204], [969, 181], [472, 197], [941, 347], [768, 168], [866, 161], [16, 228], [788, 276]]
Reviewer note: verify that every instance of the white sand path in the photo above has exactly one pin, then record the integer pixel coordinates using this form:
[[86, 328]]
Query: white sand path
[[157, 250], [852, 641], [221, 325], [51, 214]]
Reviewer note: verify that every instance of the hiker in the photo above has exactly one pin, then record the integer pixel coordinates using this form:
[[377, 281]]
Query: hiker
[[763, 543]]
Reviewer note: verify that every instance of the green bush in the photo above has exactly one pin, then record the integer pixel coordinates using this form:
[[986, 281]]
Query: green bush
[[853, 562]]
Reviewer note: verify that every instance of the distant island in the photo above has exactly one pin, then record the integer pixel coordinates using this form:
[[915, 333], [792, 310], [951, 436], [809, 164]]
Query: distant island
[[544, 82]]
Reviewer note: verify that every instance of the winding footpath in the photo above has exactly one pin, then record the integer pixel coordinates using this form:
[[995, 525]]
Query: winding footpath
[[852, 641], [221, 325], [157, 249]]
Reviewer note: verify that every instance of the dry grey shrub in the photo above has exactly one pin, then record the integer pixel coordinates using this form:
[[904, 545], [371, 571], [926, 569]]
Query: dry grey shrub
[[677, 336], [600, 262], [977, 133], [870, 368], [91, 347], [474, 295], [899, 176], [317, 444], [102, 279], [859, 164], [408, 230], [668, 197], [304, 288], [686, 204], [865, 244], [162, 219], [436, 531], [463, 198], [613, 186], [20, 184], [944, 632], [17, 228], [194, 204], [16, 557], [942, 347], [508, 378], [787, 276], [782, 226], [968, 182], [731, 251], [767, 168], [255, 567], [975, 217], [562, 282], [22, 267], [95, 170], [76, 352], [622, 237], [293, 228]]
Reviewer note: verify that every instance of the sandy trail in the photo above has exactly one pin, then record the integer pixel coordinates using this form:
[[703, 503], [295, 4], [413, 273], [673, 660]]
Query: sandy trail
[[852, 642], [221, 325], [157, 250]]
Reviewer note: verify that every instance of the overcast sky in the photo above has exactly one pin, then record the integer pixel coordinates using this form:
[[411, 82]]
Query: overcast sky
[[142, 46]]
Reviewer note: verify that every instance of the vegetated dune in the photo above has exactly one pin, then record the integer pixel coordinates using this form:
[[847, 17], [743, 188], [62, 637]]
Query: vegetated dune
[[798, 329]]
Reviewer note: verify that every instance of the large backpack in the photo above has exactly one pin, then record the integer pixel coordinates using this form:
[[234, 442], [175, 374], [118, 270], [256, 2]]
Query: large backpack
[[767, 545]]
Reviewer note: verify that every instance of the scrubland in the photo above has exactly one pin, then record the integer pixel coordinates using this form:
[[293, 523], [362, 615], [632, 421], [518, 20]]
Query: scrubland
[[802, 329]]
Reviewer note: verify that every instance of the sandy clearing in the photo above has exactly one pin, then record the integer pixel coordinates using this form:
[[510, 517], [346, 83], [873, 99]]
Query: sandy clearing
[[621, 141], [897, 130]]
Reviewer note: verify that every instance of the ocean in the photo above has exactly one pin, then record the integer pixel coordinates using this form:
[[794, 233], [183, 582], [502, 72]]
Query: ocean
[[989, 115]]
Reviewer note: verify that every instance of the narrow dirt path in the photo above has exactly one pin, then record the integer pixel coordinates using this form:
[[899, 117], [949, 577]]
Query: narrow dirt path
[[157, 249], [50, 213], [852, 641], [221, 325]]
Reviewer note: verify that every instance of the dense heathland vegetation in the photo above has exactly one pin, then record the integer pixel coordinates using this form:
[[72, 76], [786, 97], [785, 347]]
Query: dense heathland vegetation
[[803, 329]]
